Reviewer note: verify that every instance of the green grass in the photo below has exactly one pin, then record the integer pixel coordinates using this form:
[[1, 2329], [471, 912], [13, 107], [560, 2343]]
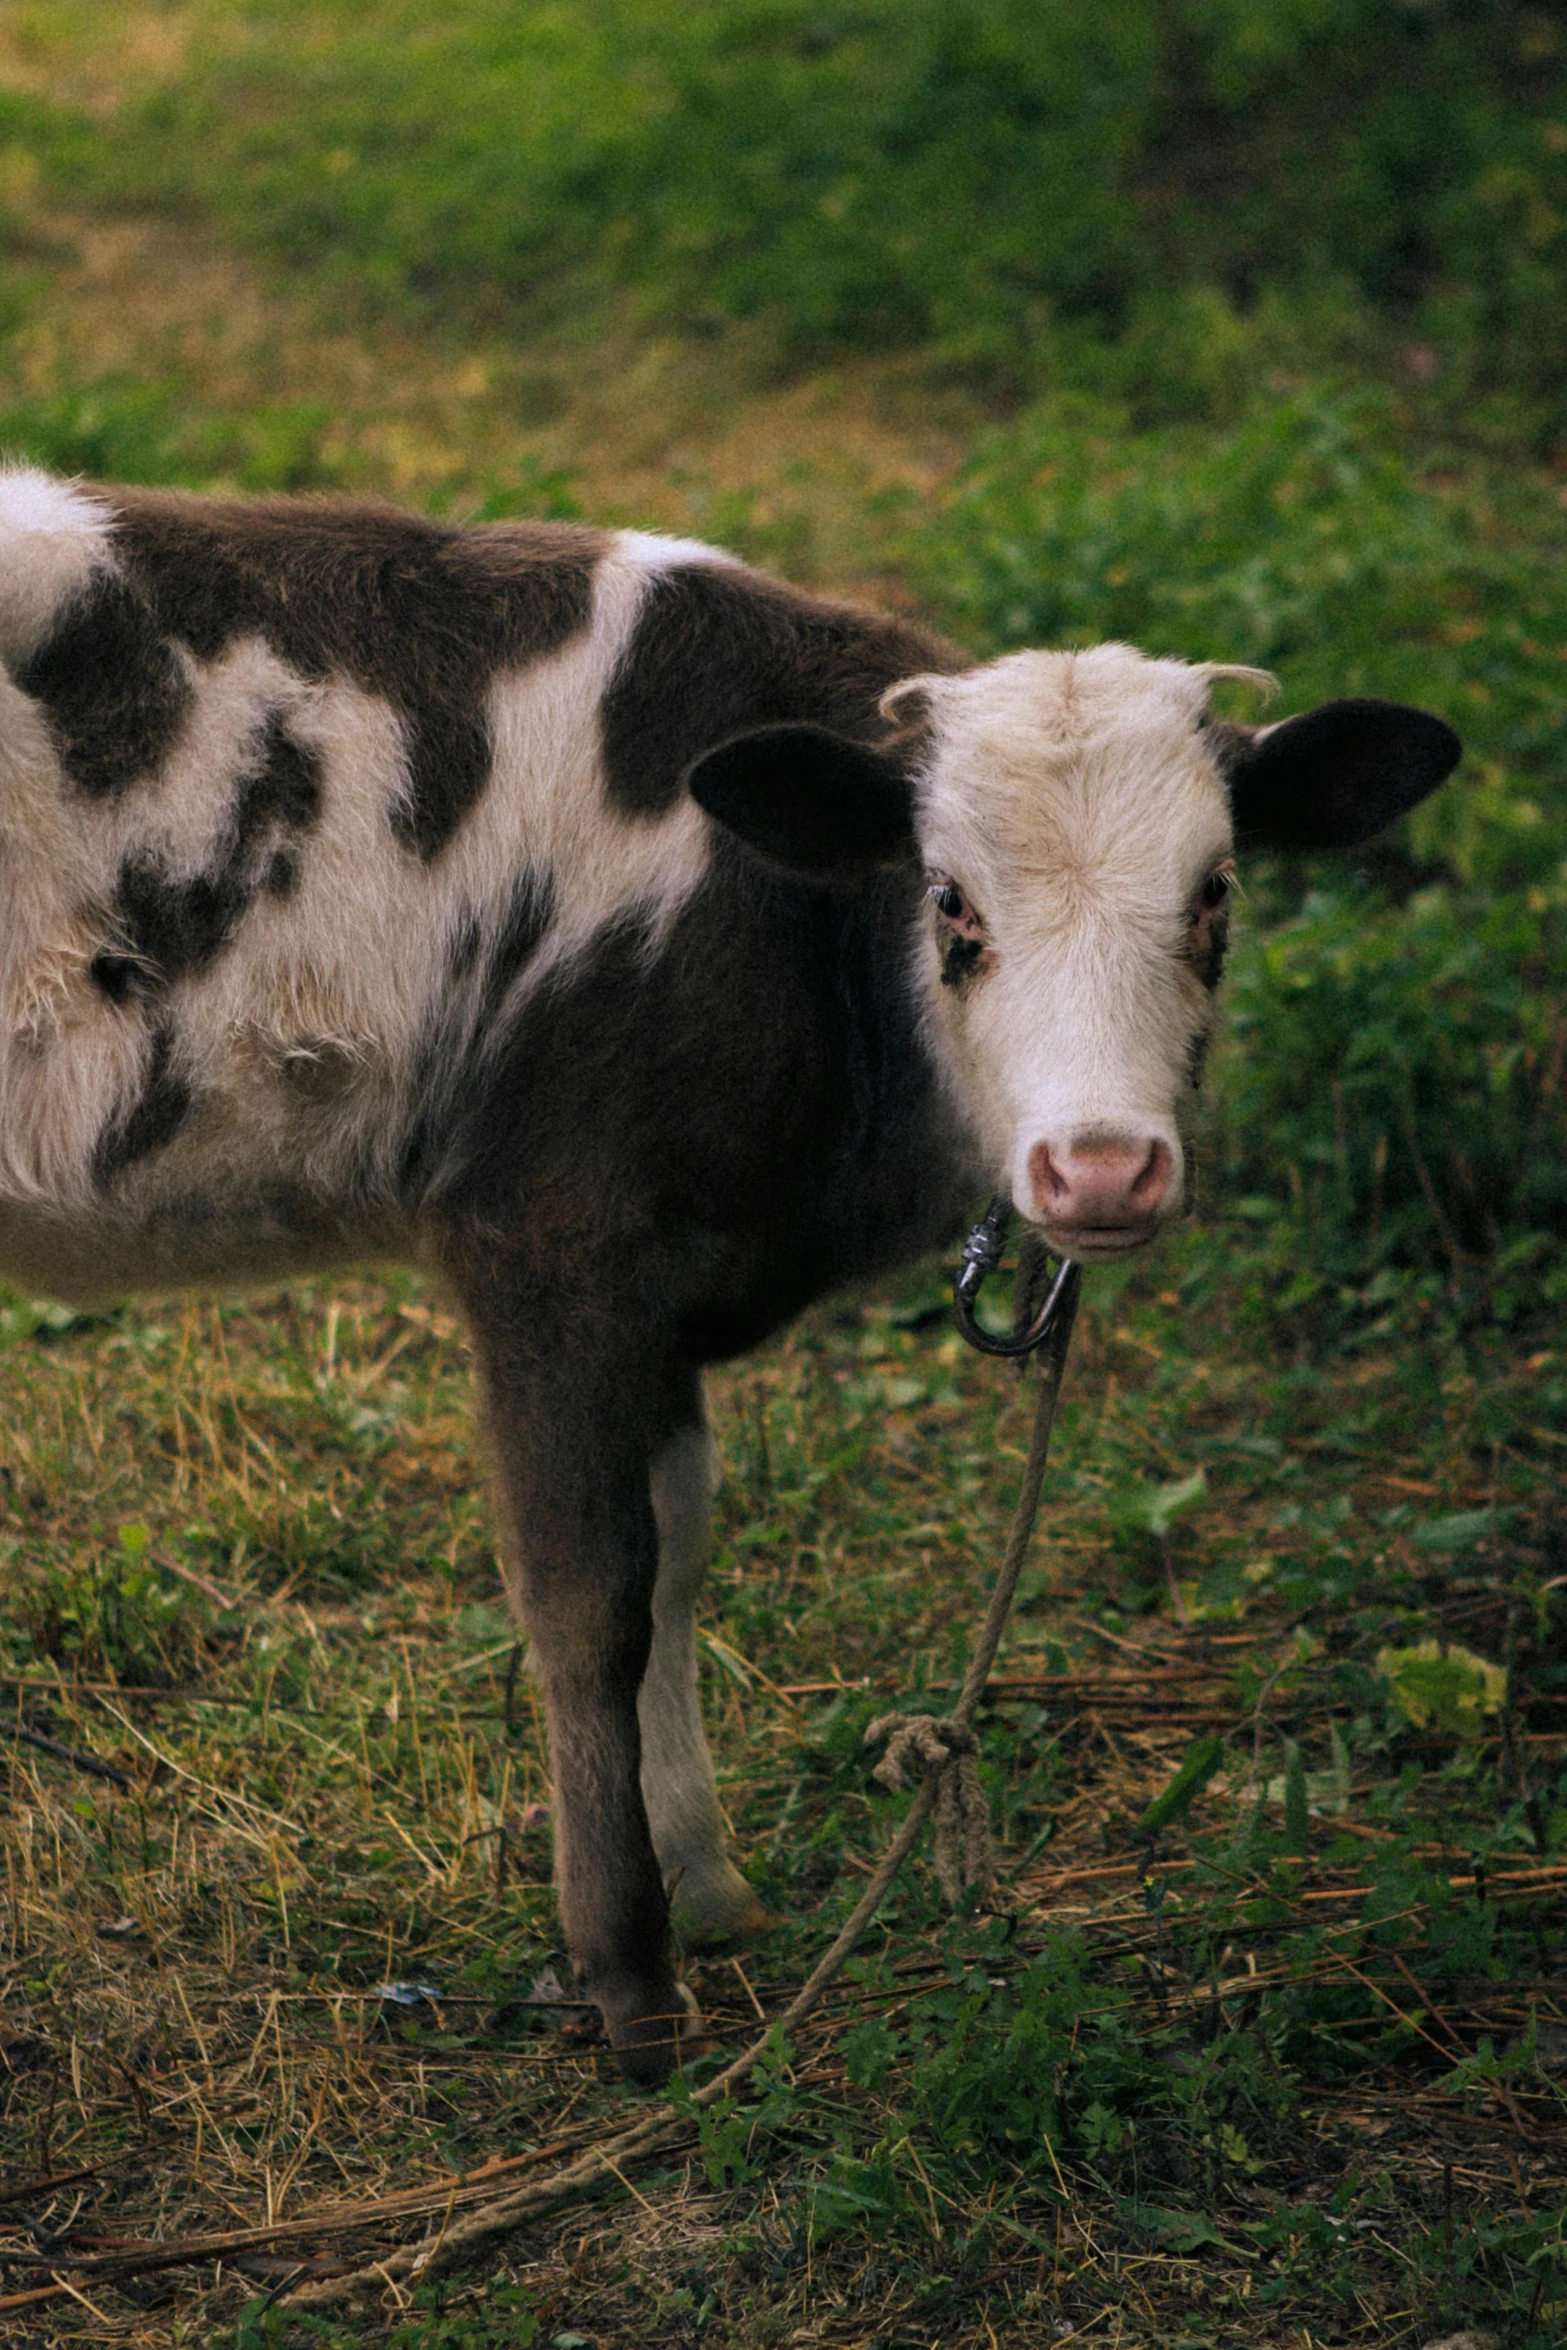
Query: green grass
[[1262, 2039], [1170, 196], [1238, 2049]]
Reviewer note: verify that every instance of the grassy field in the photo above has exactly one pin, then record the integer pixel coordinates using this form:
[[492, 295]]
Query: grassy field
[[1262, 2039]]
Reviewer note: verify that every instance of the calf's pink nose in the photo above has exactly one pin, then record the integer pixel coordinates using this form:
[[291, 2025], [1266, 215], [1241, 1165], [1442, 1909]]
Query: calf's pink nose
[[1106, 1180]]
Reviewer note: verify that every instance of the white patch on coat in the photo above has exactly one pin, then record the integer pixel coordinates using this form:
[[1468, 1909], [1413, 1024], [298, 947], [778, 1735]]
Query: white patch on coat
[[73, 1063], [1075, 802], [64, 1066], [655, 552], [301, 1038], [53, 540], [544, 721]]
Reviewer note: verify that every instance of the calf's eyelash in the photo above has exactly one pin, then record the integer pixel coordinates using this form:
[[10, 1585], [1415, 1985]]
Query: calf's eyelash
[[954, 907]]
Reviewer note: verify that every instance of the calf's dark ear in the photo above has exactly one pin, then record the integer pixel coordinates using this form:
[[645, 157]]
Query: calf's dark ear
[[1336, 775], [809, 800]]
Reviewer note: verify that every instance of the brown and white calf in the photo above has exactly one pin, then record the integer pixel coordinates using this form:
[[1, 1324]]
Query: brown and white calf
[[644, 944]]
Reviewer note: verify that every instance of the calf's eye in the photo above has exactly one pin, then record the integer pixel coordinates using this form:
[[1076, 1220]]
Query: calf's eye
[[1216, 889], [954, 908]]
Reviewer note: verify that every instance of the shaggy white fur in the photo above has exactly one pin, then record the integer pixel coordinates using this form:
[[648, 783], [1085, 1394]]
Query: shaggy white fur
[[1074, 800]]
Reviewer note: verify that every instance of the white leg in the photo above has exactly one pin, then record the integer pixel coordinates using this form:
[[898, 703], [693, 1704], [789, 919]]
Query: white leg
[[708, 1895]]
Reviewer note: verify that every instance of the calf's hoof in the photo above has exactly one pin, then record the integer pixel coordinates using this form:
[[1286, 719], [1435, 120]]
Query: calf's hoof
[[717, 1906], [652, 2028]]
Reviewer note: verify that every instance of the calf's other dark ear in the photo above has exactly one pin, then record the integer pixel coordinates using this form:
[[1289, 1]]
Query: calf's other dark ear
[[1336, 775], [809, 800]]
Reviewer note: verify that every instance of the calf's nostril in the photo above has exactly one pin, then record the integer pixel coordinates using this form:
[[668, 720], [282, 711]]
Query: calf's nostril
[[1051, 1187], [1152, 1179]]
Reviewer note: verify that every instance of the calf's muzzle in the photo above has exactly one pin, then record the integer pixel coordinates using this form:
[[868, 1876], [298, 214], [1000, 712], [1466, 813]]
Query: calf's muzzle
[[1100, 1193]]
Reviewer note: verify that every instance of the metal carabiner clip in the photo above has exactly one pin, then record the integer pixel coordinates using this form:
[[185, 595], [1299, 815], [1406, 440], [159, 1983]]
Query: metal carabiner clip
[[981, 1255]]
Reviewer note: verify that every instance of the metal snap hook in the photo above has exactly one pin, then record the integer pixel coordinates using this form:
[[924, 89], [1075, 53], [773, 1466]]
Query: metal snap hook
[[981, 1255]]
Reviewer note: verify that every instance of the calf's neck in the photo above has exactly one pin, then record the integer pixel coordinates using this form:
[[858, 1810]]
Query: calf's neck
[[643, 944]]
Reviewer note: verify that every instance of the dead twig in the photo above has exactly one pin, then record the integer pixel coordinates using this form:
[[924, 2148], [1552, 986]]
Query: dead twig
[[72, 1755], [213, 1591]]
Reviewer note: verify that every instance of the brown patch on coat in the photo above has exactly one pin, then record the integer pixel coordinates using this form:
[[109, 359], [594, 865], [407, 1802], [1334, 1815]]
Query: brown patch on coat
[[465, 1019], [418, 613], [110, 687], [166, 927], [719, 650], [522, 931], [154, 1118]]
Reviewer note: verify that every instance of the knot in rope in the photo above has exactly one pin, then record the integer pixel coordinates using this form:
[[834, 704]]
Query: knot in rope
[[963, 1854]]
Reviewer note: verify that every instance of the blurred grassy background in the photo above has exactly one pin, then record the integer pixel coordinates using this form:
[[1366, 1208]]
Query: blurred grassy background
[[1162, 197], [1233, 327]]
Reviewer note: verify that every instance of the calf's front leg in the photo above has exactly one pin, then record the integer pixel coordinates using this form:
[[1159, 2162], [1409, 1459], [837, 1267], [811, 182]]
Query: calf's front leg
[[581, 1546], [710, 1898]]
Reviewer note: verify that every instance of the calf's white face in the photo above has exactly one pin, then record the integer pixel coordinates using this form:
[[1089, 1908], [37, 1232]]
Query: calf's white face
[[1077, 834], [1077, 817]]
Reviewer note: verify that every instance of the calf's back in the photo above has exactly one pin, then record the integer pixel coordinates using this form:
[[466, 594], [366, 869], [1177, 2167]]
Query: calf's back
[[347, 883]]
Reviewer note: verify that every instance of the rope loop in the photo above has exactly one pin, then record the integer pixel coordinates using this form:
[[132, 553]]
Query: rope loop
[[964, 1859]]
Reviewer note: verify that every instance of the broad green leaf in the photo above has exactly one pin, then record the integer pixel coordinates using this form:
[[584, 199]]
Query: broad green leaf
[[1159, 1509], [1449, 1688], [1461, 1531]]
